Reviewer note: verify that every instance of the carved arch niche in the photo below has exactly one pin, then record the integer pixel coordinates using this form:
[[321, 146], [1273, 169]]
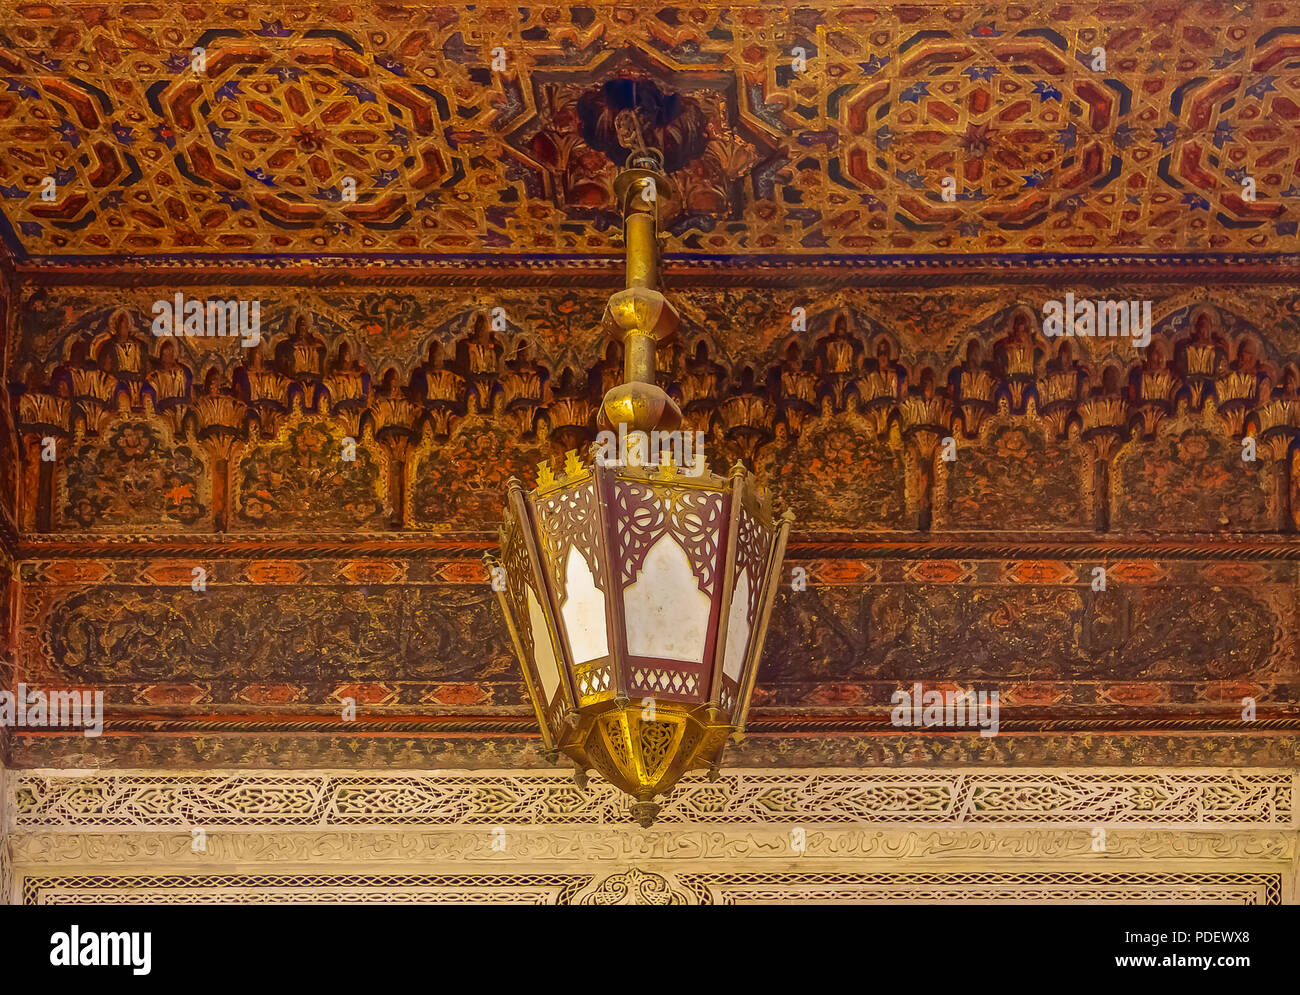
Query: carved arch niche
[[1190, 477], [837, 457], [302, 478], [1015, 475], [459, 483], [134, 475], [839, 474]]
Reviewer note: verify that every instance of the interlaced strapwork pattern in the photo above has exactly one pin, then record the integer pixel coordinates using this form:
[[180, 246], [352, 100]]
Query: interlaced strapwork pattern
[[1033, 887], [752, 542], [294, 889], [636, 887], [1181, 798], [692, 517], [567, 519], [617, 741], [656, 740]]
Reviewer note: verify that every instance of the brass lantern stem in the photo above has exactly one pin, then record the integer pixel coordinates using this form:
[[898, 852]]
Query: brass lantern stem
[[639, 315], [641, 236], [640, 363]]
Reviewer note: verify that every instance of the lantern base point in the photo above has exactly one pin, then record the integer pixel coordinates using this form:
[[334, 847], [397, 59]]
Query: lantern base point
[[644, 813]]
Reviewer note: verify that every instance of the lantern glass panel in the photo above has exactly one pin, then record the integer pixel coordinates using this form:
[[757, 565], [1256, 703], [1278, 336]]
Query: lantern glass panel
[[583, 610], [667, 614], [733, 659], [548, 668]]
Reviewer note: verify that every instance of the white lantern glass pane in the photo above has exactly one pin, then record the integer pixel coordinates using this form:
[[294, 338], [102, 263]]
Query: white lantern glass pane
[[667, 615], [583, 610], [733, 657], [543, 649]]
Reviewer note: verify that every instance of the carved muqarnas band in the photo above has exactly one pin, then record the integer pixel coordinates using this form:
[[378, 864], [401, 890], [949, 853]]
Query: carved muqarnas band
[[846, 419]]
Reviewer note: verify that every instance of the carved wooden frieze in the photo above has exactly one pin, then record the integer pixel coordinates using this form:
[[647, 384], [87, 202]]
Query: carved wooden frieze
[[958, 480]]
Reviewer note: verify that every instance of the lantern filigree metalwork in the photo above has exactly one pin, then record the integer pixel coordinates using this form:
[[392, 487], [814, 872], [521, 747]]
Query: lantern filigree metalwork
[[636, 584]]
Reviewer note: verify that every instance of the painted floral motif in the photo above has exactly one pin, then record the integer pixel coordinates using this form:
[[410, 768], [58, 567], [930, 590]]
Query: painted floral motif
[[841, 476], [1193, 481], [133, 477], [463, 483], [1016, 480], [303, 480]]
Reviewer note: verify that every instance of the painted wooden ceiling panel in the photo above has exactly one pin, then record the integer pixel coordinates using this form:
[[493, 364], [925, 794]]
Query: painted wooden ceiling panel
[[269, 130]]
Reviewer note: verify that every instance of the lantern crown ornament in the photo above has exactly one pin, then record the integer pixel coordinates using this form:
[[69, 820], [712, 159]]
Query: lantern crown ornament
[[636, 584]]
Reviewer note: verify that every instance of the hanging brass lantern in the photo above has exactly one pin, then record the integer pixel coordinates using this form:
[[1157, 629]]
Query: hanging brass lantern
[[637, 589]]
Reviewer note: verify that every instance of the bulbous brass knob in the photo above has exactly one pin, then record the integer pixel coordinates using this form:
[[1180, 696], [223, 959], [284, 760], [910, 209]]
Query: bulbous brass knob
[[642, 407]]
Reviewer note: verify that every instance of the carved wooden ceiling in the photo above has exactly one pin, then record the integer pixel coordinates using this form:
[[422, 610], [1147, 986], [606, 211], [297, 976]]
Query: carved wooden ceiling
[[329, 581], [819, 190], [485, 129]]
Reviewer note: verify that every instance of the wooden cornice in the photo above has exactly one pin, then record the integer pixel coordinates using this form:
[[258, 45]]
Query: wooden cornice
[[838, 545], [679, 270]]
